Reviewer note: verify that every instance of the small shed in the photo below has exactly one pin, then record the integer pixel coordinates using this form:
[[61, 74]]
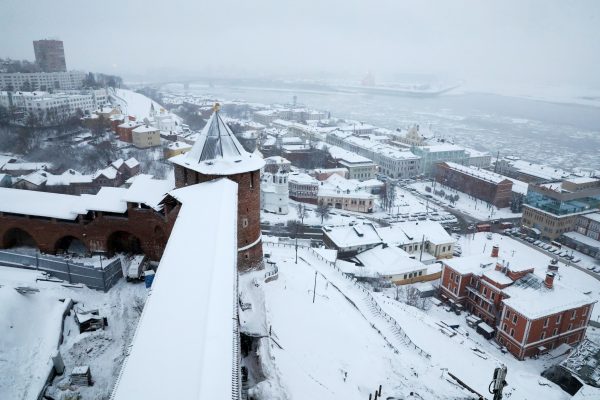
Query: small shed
[[485, 330], [89, 320], [81, 376]]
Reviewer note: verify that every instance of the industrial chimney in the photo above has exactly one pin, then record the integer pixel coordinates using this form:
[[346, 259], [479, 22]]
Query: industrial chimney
[[549, 281]]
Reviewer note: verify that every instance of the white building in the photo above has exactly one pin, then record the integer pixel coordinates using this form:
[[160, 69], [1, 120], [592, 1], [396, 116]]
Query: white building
[[274, 192], [392, 161], [42, 81], [145, 136], [53, 107]]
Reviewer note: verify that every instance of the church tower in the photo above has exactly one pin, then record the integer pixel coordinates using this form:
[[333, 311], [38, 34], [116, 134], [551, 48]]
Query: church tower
[[218, 154]]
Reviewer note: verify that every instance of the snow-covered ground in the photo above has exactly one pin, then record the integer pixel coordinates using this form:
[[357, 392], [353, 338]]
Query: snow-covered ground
[[137, 104], [335, 348], [467, 204], [31, 328], [29, 334], [336, 217]]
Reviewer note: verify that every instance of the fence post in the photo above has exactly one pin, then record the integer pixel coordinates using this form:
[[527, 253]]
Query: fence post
[[68, 270], [104, 279]]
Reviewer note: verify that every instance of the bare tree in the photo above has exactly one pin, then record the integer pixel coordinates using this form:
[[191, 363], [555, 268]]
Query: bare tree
[[388, 195], [302, 211], [323, 211]]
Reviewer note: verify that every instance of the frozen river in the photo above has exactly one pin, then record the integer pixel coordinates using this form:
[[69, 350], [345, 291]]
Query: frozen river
[[564, 135]]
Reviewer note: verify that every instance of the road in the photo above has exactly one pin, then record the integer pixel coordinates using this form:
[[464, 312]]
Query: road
[[561, 259]]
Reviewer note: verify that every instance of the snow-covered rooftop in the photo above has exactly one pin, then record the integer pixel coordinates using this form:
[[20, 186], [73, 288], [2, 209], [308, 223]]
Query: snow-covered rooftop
[[218, 152], [389, 261], [480, 173], [531, 298], [187, 330], [472, 264], [148, 190], [41, 204]]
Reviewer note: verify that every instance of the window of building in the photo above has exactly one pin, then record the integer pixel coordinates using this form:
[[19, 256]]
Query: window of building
[[570, 327], [584, 313], [456, 278], [484, 291], [543, 336], [558, 318], [452, 276], [555, 331], [493, 295], [546, 322], [515, 319], [244, 222], [574, 314], [508, 315], [512, 332]]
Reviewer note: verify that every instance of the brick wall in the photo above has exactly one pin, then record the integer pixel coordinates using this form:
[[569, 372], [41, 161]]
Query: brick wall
[[150, 227]]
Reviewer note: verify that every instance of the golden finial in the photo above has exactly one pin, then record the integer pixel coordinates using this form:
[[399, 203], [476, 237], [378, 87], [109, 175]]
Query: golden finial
[[216, 107]]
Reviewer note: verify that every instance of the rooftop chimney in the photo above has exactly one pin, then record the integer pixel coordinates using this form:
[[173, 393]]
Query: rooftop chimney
[[549, 281], [495, 251]]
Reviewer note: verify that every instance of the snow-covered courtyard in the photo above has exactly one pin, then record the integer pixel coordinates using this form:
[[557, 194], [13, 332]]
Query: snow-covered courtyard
[[32, 326], [350, 340]]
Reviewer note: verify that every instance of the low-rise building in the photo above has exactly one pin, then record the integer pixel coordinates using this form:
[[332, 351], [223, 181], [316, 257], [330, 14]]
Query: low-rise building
[[322, 174], [359, 167], [277, 163], [427, 241], [528, 171], [145, 136], [586, 236], [274, 192], [480, 183], [176, 148], [392, 161], [43, 81], [431, 155], [390, 263], [552, 208], [303, 187], [529, 312]]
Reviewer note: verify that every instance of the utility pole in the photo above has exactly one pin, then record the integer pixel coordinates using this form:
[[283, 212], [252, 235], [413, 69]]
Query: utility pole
[[422, 244], [498, 382], [315, 288]]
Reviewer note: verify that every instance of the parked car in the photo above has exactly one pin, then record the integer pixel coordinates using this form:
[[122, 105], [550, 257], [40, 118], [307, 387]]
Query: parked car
[[576, 260]]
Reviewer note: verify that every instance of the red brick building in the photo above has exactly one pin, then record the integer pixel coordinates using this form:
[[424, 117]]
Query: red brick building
[[530, 314], [125, 130], [218, 154], [485, 185]]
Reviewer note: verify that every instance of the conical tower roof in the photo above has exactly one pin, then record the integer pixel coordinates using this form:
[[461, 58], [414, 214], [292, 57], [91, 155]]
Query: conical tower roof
[[218, 152]]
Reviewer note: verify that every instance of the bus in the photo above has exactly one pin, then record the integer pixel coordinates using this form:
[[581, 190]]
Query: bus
[[483, 228]]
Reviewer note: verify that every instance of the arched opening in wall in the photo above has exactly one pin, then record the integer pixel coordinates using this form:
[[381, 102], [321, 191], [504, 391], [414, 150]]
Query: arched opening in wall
[[17, 237], [123, 242], [70, 244]]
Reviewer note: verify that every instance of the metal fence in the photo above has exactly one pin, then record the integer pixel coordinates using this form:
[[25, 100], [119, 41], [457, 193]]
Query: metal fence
[[67, 270]]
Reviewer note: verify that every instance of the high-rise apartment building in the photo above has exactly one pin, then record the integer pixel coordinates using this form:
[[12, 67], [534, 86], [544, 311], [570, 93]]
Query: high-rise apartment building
[[50, 55]]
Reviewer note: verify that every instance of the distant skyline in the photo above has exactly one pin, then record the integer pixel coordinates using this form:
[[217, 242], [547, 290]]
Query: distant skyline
[[512, 42]]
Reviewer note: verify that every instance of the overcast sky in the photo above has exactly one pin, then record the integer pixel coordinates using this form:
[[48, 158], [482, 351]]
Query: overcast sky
[[546, 41]]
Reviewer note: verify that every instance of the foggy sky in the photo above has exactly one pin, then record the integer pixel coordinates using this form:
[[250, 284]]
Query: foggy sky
[[556, 42]]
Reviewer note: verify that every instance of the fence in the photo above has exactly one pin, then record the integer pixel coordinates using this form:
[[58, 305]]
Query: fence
[[67, 270], [372, 302]]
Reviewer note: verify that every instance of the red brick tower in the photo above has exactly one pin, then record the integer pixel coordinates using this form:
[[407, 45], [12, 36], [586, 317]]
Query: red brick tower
[[217, 154]]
